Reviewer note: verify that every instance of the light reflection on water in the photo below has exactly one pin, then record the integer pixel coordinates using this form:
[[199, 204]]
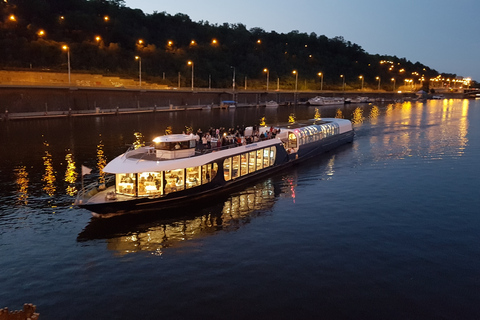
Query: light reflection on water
[[153, 234]]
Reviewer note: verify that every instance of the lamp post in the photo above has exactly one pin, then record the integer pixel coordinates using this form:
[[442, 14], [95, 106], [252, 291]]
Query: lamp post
[[321, 80], [139, 69], [393, 79], [233, 80], [378, 78], [343, 81], [296, 79], [67, 48], [190, 63], [361, 78], [268, 75]]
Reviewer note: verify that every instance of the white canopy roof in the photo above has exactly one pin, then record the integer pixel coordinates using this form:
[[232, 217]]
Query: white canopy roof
[[124, 164]]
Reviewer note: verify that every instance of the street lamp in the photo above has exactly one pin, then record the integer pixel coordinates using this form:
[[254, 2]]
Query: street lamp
[[378, 78], [361, 78], [139, 69], [321, 81], [233, 80], [393, 79], [268, 75], [191, 63], [296, 79], [67, 48], [343, 82]]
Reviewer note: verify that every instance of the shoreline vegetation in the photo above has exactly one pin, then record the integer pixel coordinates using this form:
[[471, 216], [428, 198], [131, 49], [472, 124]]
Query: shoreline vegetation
[[109, 39]]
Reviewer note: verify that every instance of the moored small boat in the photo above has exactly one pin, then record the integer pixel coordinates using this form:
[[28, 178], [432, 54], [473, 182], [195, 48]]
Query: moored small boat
[[172, 171], [271, 104], [323, 101]]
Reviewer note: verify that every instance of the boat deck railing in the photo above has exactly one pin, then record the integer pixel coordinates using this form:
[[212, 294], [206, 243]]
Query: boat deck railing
[[93, 188]]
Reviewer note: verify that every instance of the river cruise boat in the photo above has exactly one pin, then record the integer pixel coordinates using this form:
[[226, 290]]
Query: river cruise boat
[[172, 171]]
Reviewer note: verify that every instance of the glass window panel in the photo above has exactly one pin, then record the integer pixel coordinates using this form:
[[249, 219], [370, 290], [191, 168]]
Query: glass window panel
[[259, 159], [227, 168], [266, 158], [193, 177], [125, 183], [244, 164], [235, 167], [273, 153], [175, 180], [252, 158]]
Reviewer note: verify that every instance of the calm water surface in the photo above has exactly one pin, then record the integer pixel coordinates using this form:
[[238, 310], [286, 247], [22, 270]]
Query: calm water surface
[[387, 227]]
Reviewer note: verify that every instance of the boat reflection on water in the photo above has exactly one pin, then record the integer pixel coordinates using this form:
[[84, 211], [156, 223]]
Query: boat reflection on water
[[149, 233]]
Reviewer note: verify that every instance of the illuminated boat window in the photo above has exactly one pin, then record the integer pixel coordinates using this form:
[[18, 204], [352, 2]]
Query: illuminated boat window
[[126, 184], [175, 180], [227, 169], [252, 159], [150, 183], [259, 159]]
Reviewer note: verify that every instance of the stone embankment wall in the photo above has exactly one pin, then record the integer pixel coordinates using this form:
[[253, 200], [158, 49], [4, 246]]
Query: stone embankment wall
[[24, 92]]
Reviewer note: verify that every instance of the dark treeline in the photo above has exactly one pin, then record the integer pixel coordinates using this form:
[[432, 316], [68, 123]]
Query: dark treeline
[[104, 36]]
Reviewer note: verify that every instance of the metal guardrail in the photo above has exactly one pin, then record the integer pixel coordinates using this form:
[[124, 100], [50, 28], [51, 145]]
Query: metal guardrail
[[85, 191]]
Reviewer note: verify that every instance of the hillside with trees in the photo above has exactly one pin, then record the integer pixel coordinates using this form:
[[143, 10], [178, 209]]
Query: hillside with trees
[[105, 36]]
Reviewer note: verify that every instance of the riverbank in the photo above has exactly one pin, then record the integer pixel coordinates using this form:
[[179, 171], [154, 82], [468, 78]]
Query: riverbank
[[32, 102]]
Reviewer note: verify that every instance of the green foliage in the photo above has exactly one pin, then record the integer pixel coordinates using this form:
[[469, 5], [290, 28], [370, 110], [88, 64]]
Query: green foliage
[[77, 23]]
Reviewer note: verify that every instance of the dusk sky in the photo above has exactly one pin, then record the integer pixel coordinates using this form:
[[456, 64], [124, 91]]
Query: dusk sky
[[442, 34]]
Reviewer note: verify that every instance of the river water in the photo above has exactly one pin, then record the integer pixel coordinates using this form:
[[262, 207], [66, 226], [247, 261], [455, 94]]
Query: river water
[[387, 227]]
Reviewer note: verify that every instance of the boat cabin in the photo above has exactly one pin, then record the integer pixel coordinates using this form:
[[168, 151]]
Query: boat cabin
[[173, 146]]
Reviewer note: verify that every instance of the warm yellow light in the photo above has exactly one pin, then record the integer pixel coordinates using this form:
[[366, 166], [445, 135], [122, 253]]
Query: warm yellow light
[[214, 41], [106, 18], [140, 41], [319, 74], [170, 43], [294, 71], [361, 77], [65, 47], [192, 43], [62, 18], [377, 78], [190, 63], [137, 58], [265, 70], [12, 18], [98, 38], [259, 41], [41, 33]]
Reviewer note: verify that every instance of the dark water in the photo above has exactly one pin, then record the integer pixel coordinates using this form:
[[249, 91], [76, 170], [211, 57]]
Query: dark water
[[385, 228]]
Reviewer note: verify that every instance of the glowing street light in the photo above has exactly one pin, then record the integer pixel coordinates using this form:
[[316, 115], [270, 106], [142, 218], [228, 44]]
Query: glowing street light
[[268, 75], [139, 69], [361, 78], [41, 33], [393, 79], [378, 78], [98, 38], [343, 82], [67, 48], [320, 74], [296, 79], [233, 80], [190, 63], [12, 18]]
